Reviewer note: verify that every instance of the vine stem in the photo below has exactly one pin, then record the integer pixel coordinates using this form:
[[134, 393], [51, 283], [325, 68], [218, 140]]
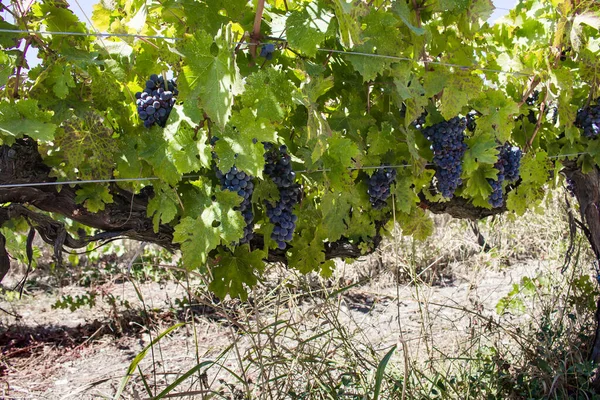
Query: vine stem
[[538, 124], [534, 82], [260, 7], [19, 67]]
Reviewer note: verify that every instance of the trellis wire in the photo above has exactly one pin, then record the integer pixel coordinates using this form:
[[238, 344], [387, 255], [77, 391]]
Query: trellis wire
[[126, 35], [354, 53], [189, 176]]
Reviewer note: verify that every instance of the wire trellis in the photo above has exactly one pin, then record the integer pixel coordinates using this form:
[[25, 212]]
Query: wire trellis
[[195, 176]]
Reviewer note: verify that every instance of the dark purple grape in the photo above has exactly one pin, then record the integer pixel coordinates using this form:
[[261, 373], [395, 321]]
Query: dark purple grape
[[278, 167], [448, 147], [588, 119], [231, 182], [379, 186], [267, 51], [155, 101], [508, 164]]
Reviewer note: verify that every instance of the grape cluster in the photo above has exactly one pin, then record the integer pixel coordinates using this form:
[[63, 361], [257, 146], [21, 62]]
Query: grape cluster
[[512, 155], [508, 164], [278, 167], [241, 183], [267, 51], [448, 149], [379, 186], [156, 101], [588, 119]]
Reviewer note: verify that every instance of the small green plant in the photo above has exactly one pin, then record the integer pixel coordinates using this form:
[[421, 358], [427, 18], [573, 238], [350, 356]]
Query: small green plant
[[75, 303]]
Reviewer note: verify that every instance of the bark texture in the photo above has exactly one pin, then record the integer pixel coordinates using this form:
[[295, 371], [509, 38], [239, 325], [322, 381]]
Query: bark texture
[[586, 188]]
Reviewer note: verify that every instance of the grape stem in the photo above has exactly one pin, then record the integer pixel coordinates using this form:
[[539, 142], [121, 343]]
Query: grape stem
[[534, 82], [260, 7], [538, 124], [19, 67]]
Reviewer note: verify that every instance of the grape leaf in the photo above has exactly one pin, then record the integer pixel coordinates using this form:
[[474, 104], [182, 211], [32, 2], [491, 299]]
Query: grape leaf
[[349, 26], [187, 145], [335, 208], [217, 223], [235, 272], [93, 197], [405, 196], [239, 150], [498, 111], [477, 185], [482, 149], [61, 80], [155, 150], [400, 8], [163, 206], [417, 224], [211, 79], [308, 253], [269, 92], [306, 28], [381, 142], [368, 67], [460, 88], [25, 118]]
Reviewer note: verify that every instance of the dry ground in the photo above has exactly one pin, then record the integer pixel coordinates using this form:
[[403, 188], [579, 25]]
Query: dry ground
[[435, 300]]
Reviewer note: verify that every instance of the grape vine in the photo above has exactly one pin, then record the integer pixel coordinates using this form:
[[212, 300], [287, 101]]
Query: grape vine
[[154, 104]]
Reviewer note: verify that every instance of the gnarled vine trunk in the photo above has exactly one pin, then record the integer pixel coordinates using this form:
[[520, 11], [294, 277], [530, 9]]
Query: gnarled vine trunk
[[22, 169], [586, 188]]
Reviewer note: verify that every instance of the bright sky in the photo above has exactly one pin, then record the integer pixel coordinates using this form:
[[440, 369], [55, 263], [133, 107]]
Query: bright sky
[[83, 9]]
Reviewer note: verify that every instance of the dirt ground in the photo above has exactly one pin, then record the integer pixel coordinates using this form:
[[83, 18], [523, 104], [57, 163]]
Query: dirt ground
[[84, 354]]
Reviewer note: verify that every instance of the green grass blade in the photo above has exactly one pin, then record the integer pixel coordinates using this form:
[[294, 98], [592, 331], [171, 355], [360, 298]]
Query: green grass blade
[[182, 378], [380, 371], [135, 362]]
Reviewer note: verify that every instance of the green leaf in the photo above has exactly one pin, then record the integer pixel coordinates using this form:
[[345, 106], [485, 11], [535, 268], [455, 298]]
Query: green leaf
[[217, 222], [336, 209], [460, 88], [269, 92], [163, 206], [381, 142], [93, 197], [238, 149], [477, 184], [406, 198], [25, 118], [349, 26], [210, 75], [61, 79], [155, 150], [308, 252], [368, 67], [417, 223], [236, 272], [306, 28], [498, 111], [482, 149], [187, 145], [400, 8]]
